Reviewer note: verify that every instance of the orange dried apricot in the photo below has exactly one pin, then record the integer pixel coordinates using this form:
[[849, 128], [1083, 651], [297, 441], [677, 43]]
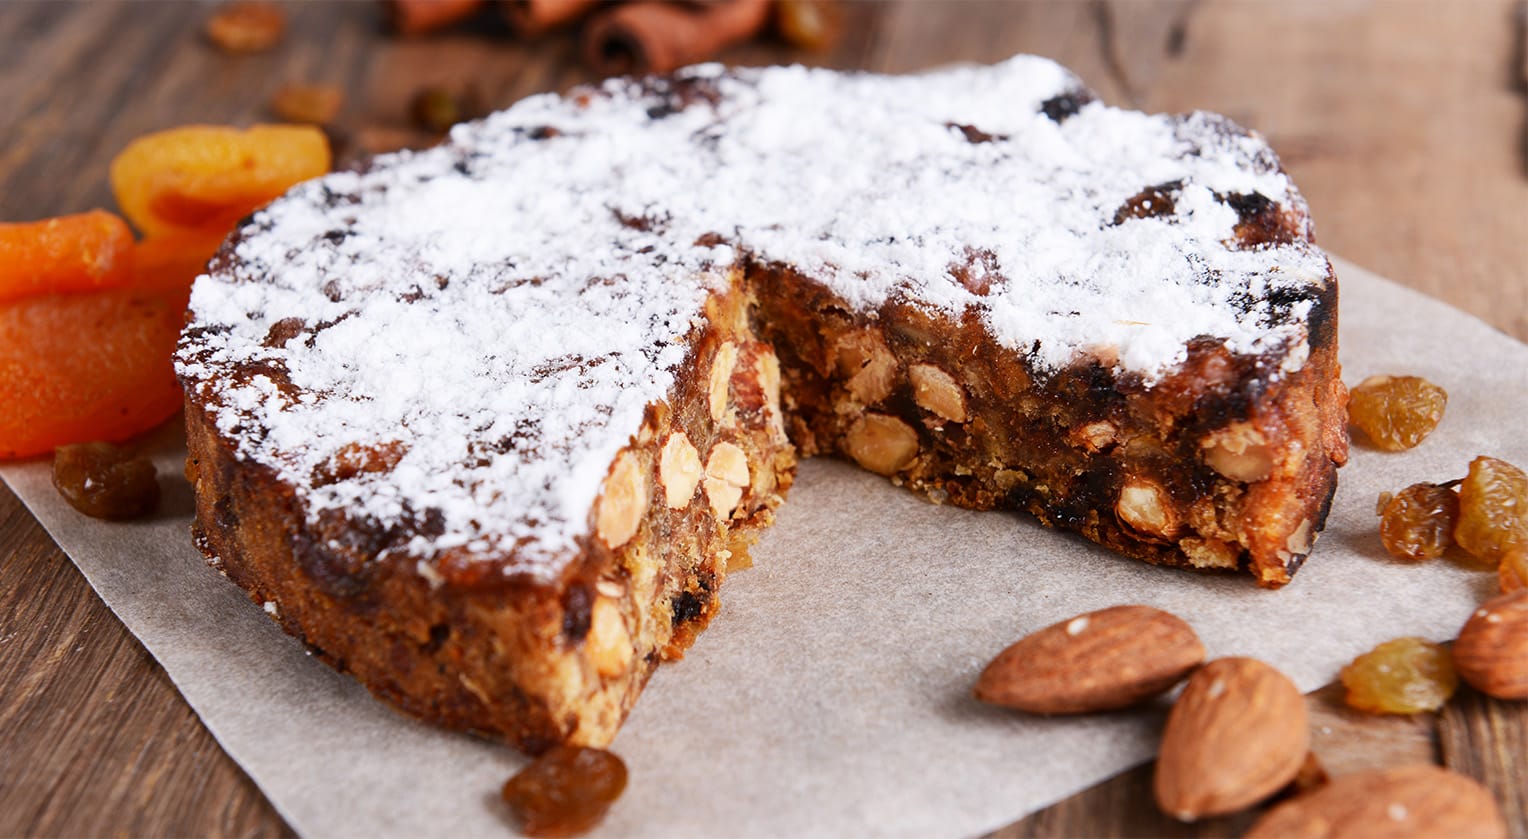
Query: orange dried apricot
[[80, 252], [1404, 676], [81, 367], [171, 261], [1493, 509], [206, 177], [1396, 412]]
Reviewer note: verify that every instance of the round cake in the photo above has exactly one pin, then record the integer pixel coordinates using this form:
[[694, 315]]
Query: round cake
[[487, 424]]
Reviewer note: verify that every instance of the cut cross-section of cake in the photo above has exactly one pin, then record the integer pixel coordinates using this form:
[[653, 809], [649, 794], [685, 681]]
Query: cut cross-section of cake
[[490, 422]]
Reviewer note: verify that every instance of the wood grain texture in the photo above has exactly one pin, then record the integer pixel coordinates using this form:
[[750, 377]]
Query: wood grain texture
[[97, 740], [1404, 121], [1487, 739]]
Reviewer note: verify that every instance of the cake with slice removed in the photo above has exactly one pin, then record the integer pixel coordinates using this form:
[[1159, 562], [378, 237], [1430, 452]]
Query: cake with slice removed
[[486, 425]]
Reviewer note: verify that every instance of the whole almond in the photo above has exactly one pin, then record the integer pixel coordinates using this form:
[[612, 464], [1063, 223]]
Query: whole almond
[[1406, 801], [1492, 650], [1108, 659], [1236, 735]]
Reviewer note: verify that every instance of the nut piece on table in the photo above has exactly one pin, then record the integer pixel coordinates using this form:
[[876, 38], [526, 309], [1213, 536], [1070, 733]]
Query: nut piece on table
[[247, 26], [721, 376], [1418, 800], [1236, 735], [623, 502], [1100, 661], [1145, 508], [609, 644], [883, 444], [726, 477], [679, 470], [937, 392], [1240, 452], [313, 104], [1492, 651]]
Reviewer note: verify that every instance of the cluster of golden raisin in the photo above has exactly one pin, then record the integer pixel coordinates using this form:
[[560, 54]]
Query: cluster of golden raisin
[[1485, 514]]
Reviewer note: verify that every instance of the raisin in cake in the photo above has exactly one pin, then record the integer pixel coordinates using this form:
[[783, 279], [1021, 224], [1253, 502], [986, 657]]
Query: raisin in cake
[[486, 424]]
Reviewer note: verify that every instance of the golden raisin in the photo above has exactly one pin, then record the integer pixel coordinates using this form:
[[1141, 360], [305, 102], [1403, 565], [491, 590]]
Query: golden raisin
[[105, 482], [1396, 412], [313, 104], [809, 24], [1418, 522], [1513, 571], [566, 791], [1493, 509], [436, 109], [246, 26], [1404, 676]]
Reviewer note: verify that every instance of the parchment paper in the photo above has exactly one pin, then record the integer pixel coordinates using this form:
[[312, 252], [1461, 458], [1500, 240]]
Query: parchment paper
[[831, 696]]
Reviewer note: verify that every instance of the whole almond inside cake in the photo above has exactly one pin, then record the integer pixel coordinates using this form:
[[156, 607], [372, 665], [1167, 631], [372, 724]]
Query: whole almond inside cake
[[486, 425]]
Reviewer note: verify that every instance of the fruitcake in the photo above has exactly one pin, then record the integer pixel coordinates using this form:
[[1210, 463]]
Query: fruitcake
[[486, 425]]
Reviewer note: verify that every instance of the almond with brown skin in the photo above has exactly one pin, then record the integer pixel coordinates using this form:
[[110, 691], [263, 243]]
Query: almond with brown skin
[[1406, 801], [1108, 659], [1236, 736], [1492, 650]]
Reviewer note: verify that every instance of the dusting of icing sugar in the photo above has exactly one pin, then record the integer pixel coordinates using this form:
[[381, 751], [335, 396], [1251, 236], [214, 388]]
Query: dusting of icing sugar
[[455, 343]]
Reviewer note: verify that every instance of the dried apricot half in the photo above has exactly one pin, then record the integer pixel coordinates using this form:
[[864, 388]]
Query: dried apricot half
[[171, 261], [207, 177], [80, 252], [80, 367]]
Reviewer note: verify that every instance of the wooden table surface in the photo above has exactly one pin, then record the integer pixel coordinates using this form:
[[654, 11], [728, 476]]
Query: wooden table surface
[[1405, 123]]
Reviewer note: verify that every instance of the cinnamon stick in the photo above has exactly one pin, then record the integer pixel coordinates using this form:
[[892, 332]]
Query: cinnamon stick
[[656, 37], [416, 17], [530, 18]]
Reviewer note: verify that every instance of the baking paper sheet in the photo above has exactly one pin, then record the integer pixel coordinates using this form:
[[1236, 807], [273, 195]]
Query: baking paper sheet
[[831, 696]]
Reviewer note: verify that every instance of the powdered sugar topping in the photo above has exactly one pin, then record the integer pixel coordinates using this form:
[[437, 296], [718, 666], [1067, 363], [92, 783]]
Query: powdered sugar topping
[[454, 344]]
